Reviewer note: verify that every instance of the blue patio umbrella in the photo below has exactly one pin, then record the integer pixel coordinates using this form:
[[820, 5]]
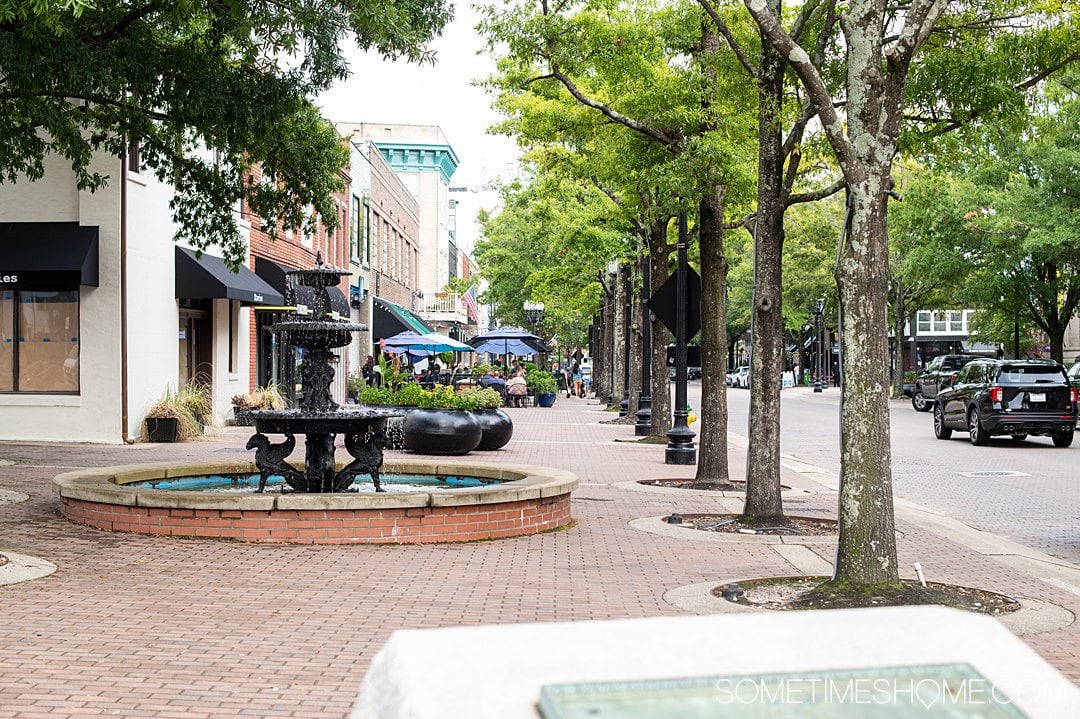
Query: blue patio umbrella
[[442, 343], [508, 340], [505, 346]]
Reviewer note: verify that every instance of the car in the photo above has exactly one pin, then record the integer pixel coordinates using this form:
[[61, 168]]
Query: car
[[938, 374], [693, 373], [1019, 398], [742, 377], [1074, 375]]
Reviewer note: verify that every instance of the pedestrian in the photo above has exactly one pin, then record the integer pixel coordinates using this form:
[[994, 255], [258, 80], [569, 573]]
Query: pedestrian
[[575, 376], [368, 371], [516, 389]]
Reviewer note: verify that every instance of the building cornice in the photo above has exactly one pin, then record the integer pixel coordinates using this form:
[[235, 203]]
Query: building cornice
[[419, 157]]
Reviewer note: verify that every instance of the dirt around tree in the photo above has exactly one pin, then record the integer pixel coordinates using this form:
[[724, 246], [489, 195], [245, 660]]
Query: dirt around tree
[[793, 593]]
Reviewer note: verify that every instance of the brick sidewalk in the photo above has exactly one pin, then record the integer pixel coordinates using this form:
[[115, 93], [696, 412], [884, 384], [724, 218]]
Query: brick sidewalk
[[135, 626]]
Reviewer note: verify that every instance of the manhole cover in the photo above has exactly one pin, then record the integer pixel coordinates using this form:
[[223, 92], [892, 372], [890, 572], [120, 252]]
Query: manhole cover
[[993, 473]]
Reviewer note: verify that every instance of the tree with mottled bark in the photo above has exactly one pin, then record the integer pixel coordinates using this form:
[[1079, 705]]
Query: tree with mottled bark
[[778, 168], [880, 45]]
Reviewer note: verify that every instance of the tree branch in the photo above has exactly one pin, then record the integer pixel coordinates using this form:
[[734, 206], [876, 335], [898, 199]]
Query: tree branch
[[816, 195], [668, 141], [729, 37], [815, 87]]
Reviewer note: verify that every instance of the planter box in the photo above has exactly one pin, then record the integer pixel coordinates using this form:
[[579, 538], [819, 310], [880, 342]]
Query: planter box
[[546, 400], [161, 429]]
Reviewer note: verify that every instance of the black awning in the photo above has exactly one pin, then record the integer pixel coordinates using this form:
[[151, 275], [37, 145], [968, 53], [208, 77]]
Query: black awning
[[48, 255], [390, 319], [274, 274], [208, 277]]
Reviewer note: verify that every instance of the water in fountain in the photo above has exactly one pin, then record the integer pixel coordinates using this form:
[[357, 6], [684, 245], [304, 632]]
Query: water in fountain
[[319, 418]]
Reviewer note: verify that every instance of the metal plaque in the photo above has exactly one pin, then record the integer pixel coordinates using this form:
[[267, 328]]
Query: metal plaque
[[955, 691]]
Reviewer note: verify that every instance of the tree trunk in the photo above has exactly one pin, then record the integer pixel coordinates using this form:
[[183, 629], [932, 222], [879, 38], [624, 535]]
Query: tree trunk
[[659, 252], [635, 348], [712, 456], [767, 323], [618, 328], [900, 345], [867, 544]]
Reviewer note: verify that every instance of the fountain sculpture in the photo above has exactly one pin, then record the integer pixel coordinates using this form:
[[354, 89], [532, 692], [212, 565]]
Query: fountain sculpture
[[319, 418], [499, 500]]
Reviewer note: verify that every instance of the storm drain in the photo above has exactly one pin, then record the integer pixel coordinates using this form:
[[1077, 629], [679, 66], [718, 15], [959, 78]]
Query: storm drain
[[993, 473]]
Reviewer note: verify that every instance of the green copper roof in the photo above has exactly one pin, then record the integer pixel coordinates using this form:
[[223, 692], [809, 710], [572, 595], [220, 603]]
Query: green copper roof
[[413, 157]]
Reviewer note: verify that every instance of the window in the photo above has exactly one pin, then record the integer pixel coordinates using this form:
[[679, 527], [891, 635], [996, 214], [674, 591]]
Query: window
[[939, 321], [924, 320], [134, 157], [354, 230], [367, 234], [39, 341], [956, 321]]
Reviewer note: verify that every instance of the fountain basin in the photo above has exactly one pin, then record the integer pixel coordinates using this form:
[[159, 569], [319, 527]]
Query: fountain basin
[[527, 500]]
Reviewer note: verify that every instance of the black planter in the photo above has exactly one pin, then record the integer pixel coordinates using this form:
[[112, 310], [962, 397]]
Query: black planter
[[161, 429], [497, 426], [441, 431]]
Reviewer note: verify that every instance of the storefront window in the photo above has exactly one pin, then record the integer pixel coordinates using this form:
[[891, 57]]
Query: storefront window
[[924, 321], [39, 341], [7, 340]]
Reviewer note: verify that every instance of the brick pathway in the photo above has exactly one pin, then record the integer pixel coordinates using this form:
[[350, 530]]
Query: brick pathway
[[135, 626]]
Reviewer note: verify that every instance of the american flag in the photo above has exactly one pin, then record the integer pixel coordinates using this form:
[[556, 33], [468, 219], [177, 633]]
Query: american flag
[[469, 300]]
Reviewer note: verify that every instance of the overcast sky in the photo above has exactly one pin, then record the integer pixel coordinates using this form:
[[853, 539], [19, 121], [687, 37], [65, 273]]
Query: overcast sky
[[443, 95]]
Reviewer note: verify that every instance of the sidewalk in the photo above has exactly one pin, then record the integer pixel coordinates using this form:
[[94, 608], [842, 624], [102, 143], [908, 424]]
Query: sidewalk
[[143, 627]]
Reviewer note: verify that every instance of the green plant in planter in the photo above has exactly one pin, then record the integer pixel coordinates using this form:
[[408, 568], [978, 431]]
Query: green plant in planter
[[197, 397], [541, 382], [173, 404], [909, 375], [268, 397], [441, 397], [476, 398], [480, 370]]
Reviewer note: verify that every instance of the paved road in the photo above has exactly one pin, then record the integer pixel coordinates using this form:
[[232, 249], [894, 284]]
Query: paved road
[[1040, 508]]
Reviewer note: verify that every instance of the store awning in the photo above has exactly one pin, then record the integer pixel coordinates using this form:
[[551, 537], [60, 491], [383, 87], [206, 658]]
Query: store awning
[[48, 255], [390, 319], [208, 277], [274, 274]]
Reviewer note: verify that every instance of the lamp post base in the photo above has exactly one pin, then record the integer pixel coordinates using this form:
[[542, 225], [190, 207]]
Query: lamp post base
[[680, 448], [644, 421]]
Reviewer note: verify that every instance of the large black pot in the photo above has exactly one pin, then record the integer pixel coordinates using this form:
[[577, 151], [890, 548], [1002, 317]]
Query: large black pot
[[161, 429], [442, 431], [497, 426]]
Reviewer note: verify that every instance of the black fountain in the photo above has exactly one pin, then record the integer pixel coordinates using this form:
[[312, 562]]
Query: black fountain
[[318, 417]]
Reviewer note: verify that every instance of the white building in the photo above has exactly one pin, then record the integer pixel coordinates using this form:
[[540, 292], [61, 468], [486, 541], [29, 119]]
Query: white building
[[101, 312]]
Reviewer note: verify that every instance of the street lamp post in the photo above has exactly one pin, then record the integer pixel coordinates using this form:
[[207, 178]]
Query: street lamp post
[[534, 315], [818, 310], [680, 447]]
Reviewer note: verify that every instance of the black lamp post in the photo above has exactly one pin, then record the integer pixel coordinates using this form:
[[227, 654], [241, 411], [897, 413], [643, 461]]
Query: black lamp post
[[680, 447], [818, 311], [534, 315], [643, 426]]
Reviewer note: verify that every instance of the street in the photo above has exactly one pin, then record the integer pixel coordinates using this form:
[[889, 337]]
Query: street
[[1030, 491]]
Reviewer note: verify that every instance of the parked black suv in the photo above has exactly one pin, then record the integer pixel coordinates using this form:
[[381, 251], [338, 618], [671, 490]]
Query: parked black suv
[[1018, 398], [937, 375]]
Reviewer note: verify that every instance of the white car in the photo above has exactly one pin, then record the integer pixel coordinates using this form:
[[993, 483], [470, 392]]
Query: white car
[[742, 377]]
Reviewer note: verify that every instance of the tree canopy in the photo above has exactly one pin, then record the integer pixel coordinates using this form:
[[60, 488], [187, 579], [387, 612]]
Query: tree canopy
[[208, 88]]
